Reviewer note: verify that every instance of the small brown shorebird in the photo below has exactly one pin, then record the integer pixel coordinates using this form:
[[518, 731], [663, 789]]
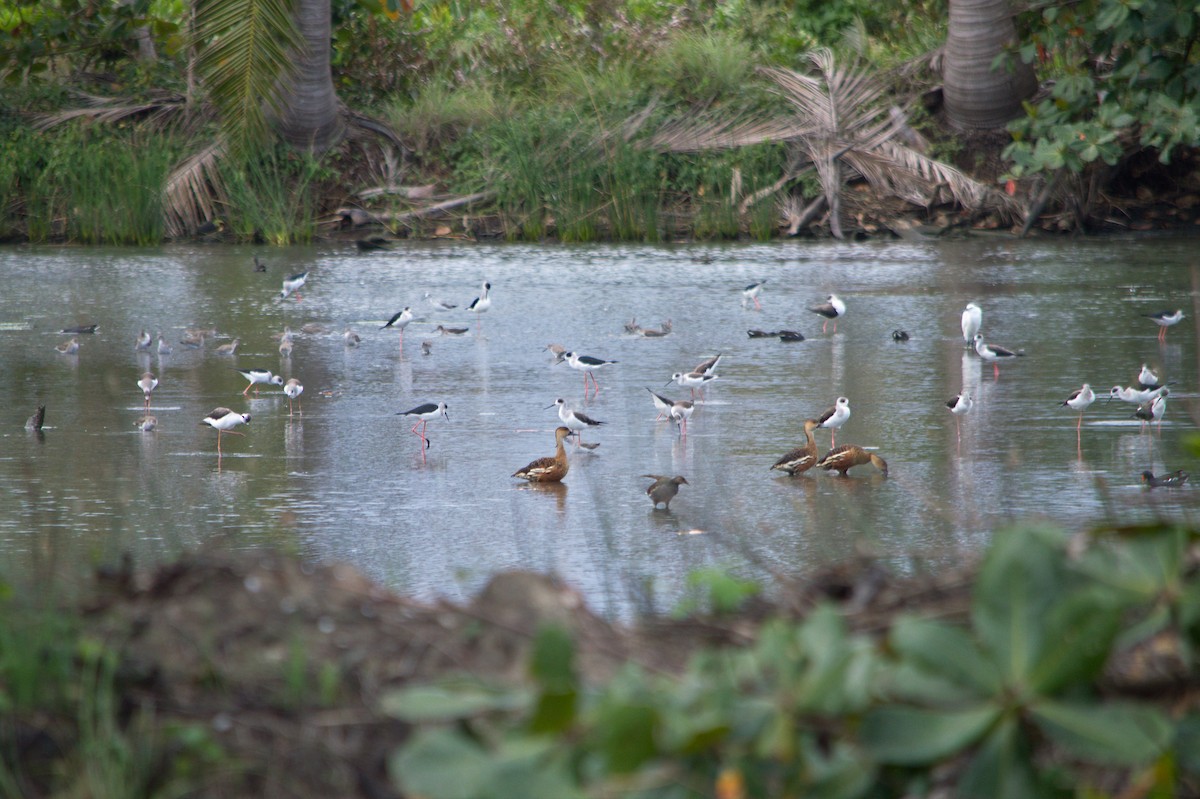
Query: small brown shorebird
[[285, 348], [143, 341], [147, 423], [351, 338], [664, 489], [451, 331], [224, 420], [552, 469], [423, 413], [833, 308], [801, 459], [293, 388], [69, 347], [842, 459], [147, 384], [230, 348]]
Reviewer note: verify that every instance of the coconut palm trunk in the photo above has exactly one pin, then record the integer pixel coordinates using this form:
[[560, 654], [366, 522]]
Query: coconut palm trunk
[[978, 94], [309, 116]]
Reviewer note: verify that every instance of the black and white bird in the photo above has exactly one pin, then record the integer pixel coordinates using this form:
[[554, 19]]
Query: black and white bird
[[993, 353], [1079, 401], [576, 421], [293, 388], [1165, 319], [588, 365], [423, 415], [960, 406], [224, 420], [293, 284], [258, 377], [483, 302], [399, 321], [833, 308], [751, 292], [835, 417]]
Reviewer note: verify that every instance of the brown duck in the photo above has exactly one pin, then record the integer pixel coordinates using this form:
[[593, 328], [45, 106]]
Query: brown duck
[[842, 459], [803, 458], [548, 470], [664, 489]]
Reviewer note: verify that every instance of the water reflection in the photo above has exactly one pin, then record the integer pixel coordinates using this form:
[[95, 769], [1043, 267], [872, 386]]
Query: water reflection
[[345, 479]]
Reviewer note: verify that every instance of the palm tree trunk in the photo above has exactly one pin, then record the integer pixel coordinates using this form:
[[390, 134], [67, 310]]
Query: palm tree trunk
[[311, 117], [978, 95]]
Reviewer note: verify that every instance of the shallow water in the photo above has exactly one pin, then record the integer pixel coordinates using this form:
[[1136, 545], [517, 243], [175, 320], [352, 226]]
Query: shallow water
[[345, 480]]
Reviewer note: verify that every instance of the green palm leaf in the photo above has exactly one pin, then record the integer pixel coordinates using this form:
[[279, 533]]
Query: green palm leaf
[[245, 52]]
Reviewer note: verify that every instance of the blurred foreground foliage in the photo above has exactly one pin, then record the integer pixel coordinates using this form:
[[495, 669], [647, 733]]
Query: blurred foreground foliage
[[1073, 674]]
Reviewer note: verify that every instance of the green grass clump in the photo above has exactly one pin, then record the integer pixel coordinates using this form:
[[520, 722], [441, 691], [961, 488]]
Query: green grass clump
[[88, 185], [272, 196]]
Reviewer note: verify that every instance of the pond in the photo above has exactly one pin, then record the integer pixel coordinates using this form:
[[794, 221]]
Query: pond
[[343, 479]]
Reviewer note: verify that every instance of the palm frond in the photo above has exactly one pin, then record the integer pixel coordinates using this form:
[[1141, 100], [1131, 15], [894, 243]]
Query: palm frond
[[193, 192], [95, 108], [839, 118], [245, 49]]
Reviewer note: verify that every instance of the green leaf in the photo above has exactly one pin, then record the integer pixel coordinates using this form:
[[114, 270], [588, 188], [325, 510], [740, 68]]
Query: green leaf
[[1112, 14], [1123, 733], [1187, 743], [555, 711], [912, 736], [423, 703], [552, 663], [1021, 579], [530, 769], [626, 735], [1002, 768], [1079, 632], [946, 651], [440, 764]]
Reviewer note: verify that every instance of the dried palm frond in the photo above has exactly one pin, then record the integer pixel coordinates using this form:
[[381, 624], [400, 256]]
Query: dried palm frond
[[109, 109], [193, 192], [839, 117]]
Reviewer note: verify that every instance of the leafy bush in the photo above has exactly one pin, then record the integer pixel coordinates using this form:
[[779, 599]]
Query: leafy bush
[[1006, 703]]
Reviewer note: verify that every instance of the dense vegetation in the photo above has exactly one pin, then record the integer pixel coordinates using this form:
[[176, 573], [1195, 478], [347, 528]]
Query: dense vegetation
[[553, 113], [1059, 668]]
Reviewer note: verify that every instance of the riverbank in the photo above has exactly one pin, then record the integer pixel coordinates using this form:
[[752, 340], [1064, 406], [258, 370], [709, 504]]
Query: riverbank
[[254, 673]]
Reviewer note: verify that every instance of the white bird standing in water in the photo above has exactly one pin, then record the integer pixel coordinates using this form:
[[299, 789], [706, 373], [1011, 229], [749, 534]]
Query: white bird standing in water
[[972, 320]]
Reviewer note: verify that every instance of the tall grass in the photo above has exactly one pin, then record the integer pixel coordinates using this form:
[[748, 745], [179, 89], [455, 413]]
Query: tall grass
[[272, 196], [92, 185]]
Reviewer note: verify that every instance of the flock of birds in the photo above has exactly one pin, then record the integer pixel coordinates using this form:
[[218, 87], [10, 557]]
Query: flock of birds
[[1148, 392]]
